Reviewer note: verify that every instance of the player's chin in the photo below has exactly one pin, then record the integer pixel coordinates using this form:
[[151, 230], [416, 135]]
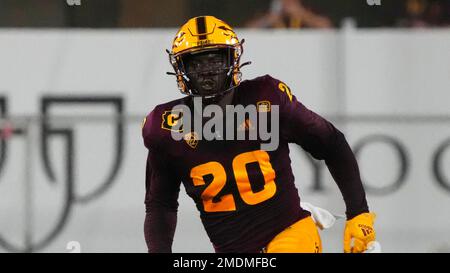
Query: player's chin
[[211, 98], [208, 91]]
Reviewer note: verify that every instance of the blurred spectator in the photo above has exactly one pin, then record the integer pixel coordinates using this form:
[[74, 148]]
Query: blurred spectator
[[438, 13], [289, 14], [414, 14], [423, 13]]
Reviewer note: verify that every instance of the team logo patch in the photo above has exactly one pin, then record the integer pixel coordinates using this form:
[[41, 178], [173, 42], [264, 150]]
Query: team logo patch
[[263, 106], [191, 139], [172, 118]]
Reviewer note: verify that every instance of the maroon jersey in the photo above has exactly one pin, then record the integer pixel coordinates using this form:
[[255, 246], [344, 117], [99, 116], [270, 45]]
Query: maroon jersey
[[245, 195]]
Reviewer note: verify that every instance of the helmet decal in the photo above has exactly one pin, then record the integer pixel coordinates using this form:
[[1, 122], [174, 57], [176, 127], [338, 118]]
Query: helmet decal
[[201, 27]]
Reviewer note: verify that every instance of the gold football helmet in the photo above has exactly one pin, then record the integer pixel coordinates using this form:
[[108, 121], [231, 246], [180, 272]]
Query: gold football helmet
[[201, 34]]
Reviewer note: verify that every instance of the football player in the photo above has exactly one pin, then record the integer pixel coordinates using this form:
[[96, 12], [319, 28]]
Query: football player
[[246, 196]]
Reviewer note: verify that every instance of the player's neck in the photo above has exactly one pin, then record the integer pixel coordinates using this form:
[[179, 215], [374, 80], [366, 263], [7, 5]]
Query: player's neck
[[227, 99]]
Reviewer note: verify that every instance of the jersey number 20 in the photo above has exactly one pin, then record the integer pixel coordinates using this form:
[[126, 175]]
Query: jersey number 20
[[239, 163]]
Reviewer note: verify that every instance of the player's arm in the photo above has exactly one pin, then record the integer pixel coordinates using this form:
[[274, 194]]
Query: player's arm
[[161, 204], [162, 187], [325, 142]]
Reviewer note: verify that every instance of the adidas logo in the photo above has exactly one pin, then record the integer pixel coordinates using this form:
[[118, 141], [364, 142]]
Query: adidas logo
[[246, 125]]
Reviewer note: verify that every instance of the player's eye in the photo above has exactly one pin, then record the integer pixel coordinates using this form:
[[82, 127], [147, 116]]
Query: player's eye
[[194, 66], [217, 63]]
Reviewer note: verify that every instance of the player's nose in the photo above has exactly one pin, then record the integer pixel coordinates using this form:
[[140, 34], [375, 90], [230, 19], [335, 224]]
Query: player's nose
[[208, 71]]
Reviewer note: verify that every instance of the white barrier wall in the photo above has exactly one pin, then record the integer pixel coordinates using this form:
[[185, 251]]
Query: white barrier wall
[[402, 75]]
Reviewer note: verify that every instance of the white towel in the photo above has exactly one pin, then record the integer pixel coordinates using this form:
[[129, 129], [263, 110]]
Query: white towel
[[322, 217], [325, 219]]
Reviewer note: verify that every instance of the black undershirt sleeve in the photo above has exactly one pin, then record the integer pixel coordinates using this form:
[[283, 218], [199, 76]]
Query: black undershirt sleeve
[[162, 189]]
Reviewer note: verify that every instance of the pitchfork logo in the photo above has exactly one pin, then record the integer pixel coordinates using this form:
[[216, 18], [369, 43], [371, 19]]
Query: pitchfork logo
[[50, 134]]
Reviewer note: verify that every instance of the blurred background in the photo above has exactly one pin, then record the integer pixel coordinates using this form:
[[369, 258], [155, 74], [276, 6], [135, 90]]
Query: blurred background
[[78, 76], [239, 13]]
